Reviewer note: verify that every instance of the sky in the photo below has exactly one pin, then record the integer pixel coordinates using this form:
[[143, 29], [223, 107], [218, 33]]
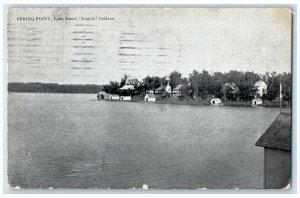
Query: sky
[[141, 42]]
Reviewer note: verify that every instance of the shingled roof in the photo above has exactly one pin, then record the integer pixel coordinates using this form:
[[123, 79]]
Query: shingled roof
[[278, 135]]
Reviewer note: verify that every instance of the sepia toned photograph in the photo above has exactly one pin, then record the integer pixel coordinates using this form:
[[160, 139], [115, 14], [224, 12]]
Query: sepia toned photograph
[[149, 98]]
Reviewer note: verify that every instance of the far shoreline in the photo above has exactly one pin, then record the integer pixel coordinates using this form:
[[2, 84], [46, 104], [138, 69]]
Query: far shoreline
[[267, 104]]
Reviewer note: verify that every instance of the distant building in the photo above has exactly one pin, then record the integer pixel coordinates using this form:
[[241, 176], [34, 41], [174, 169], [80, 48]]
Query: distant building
[[277, 152], [163, 90], [100, 95], [103, 96], [106, 96], [114, 97], [215, 101], [160, 90], [150, 98], [126, 98], [126, 92], [260, 88], [177, 90], [257, 101]]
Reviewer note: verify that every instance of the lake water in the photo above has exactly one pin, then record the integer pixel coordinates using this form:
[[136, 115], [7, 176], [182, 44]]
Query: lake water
[[75, 141]]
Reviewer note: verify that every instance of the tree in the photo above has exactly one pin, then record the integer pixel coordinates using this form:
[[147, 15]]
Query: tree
[[231, 91], [286, 81], [185, 89], [124, 79], [194, 79], [273, 82], [247, 80], [151, 82], [218, 79], [175, 79], [112, 87]]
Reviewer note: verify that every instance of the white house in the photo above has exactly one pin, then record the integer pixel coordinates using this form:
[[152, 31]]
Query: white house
[[260, 88], [177, 90], [257, 101], [215, 101], [149, 98]]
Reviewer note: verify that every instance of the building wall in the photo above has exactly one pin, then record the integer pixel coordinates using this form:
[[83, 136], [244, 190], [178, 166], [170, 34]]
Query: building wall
[[114, 97], [277, 168], [150, 99], [126, 98]]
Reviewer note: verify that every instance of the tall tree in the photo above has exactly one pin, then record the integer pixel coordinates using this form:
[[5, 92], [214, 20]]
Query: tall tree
[[175, 78], [124, 79], [194, 79]]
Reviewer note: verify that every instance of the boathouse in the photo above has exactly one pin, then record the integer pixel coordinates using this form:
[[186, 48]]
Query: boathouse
[[100, 95], [114, 97], [215, 101], [277, 152], [257, 101], [150, 98], [103, 96]]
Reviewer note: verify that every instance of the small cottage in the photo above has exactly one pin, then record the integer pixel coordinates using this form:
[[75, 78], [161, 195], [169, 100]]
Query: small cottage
[[276, 142], [257, 101], [150, 98], [216, 101]]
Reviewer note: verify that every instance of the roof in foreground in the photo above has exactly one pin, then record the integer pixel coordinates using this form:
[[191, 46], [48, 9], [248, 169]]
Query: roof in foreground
[[278, 135]]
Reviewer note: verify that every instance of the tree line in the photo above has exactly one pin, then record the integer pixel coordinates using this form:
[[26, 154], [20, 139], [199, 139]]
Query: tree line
[[52, 88], [232, 85]]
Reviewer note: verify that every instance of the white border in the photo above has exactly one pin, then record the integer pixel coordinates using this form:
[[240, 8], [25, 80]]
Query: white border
[[150, 3]]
